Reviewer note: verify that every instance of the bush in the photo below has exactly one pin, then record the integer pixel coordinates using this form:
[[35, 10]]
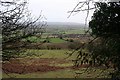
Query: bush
[[74, 45]]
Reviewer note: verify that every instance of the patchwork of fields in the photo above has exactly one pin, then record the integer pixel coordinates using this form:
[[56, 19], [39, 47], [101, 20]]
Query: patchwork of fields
[[47, 56]]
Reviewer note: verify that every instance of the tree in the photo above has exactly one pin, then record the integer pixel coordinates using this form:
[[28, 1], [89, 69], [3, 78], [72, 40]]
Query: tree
[[16, 24], [105, 25]]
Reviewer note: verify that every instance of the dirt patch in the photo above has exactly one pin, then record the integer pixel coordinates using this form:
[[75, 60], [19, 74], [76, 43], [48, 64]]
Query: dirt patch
[[30, 65], [19, 68]]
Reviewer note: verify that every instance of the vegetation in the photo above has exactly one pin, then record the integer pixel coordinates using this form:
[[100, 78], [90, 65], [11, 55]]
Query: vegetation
[[67, 73], [105, 24], [64, 50], [72, 29], [104, 28], [34, 39], [56, 40], [16, 25], [51, 58], [44, 53]]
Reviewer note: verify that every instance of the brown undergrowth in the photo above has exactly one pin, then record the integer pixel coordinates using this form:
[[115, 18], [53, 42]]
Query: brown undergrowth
[[29, 65]]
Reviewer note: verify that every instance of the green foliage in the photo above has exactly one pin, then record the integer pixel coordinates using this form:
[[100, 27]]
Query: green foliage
[[74, 45], [70, 40], [105, 24], [106, 20], [34, 39]]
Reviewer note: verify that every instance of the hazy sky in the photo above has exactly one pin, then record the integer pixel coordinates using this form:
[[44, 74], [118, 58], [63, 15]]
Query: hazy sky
[[56, 10]]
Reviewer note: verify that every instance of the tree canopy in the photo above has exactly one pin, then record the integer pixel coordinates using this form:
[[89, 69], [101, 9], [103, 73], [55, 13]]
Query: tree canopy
[[105, 25], [106, 20]]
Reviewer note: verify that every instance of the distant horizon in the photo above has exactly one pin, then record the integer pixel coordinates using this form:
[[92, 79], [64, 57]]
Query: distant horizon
[[66, 24], [57, 10], [63, 22]]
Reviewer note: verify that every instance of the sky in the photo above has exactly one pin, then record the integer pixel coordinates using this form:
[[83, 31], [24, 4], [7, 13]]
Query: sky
[[57, 10]]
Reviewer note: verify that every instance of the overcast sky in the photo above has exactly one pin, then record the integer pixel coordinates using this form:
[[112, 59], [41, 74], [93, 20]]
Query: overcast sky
[[56, 10]]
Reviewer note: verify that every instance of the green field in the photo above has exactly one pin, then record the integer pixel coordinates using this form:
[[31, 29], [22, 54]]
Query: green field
[[59, 54], [46, 37], [56, 58], [35, 39], [66, 29], [75, 31], [56, 63], [45, 53]]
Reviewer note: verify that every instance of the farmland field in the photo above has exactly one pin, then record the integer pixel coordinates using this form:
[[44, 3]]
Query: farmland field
[[47, 56], [35, 39], [47, 64]]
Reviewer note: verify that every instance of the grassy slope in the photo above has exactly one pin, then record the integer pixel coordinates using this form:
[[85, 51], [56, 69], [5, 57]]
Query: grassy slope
[[59, 54], [67, 73], [50, 74], [35, 39], [75, 31]]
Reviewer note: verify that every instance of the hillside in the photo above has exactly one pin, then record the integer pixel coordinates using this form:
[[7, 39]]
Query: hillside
[[64, 24]]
